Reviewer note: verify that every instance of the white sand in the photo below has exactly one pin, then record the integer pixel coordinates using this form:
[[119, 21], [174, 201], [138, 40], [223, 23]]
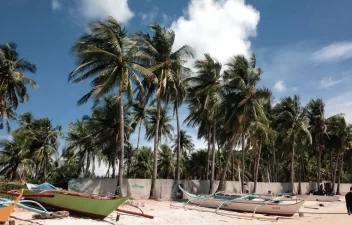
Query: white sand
[[164, 214]]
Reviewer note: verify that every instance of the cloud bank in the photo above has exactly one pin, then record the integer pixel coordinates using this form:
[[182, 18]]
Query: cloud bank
[[334, 52]]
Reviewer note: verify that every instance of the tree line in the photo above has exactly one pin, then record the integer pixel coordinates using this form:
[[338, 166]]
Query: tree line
[[136, 80]]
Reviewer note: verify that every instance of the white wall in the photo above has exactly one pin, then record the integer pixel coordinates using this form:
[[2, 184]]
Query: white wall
[[167, 188]]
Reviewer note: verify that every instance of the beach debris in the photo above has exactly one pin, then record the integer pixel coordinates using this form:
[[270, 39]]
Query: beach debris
[[55, 215], [321, 205]]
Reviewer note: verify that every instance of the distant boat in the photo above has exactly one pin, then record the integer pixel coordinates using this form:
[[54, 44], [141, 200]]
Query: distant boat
[[247, 203]]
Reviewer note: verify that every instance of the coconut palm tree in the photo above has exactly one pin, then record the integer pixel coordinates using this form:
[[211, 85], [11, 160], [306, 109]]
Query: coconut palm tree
[[166, 64], [204, 91], [14, 157], [142, 166], [140, 115], [242, 100], [185, 143], [165, 127], [106, 122], [291, 119], [166, 163], [13, 82], [197, 165], [113, 59]]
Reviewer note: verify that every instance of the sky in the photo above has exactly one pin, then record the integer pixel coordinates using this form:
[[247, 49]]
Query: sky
[[304, 47]]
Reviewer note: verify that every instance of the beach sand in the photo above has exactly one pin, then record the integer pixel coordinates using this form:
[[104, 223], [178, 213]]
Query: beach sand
[[165, 214]]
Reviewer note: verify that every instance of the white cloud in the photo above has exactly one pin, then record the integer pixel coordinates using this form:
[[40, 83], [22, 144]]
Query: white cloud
[[280, 86], [219, 27], [340, 104], [148, 18], [55, 5], [327, 82], [333, 52], [100, 9]]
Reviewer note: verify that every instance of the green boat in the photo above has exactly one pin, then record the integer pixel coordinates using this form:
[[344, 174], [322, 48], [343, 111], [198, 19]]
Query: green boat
[[76, 203]]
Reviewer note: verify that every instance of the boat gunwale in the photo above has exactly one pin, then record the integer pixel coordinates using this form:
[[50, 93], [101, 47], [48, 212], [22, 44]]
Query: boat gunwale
[[74, 194]]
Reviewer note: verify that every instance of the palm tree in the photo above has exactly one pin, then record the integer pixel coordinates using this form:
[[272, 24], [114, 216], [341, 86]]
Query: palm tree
[[243, 105], [42, 139], [14, 157], [165, 64], [113, 59], [291, 118], [13, 83], [204, 92], [80, 141], [106, 122], [140, 115], [197, 163], [166, 162], [318, 128], [165, 127], [185, 143], [142, 166]]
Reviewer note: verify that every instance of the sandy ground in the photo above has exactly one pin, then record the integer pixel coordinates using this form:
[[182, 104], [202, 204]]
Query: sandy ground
[[165, 214]]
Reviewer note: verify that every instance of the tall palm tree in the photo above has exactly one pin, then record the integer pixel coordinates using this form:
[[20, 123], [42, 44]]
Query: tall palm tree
[[291, 118], [242, 102], [204, 92], [13, 82], [113, 60], [165, 63]]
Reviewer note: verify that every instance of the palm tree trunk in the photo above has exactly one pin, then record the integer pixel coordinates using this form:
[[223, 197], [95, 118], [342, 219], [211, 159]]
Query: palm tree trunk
[[87, 164], [257, 167], [319, 164], [113, 168], [108, 172], [243, 154], [178, 172], [122, 143], [292, 163], [233, 167], [208, 155], [156, 142], [93, 165], [213, 158], [340, 175], [228, 159], [334, 174], [139, 134]]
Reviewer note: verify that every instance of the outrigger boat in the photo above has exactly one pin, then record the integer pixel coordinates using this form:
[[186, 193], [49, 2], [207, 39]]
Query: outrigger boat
[[247, 203], [76, 203]]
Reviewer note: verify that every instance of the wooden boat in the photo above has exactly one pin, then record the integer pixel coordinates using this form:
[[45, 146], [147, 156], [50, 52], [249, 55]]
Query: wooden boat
[[248, 203], [77, 203], [6, 210]]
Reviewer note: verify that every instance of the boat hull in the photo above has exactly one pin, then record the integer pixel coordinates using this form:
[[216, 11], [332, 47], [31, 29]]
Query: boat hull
[[259, 206], [79, 205]]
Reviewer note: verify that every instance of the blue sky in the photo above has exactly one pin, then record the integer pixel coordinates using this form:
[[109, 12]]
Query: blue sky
[[304, 47]]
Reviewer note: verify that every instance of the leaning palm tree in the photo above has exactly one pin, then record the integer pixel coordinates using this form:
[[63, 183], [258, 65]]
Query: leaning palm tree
[[13, 83], [165, 63], [242, 103], [206, 87], [113, 60], [291, 118]]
